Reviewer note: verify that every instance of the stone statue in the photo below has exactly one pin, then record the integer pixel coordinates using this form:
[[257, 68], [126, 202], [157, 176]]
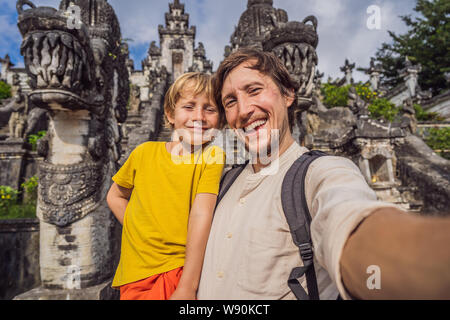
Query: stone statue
[[357, 105], [17, 121], [408, 118], [347, 69], [6, 66], [135, 93], [80, 76]]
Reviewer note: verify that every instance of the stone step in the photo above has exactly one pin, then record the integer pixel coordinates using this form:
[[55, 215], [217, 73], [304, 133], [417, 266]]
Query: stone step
[[165, 134]]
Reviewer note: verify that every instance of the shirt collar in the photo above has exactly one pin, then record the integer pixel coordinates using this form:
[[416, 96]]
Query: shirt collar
[[253, 179]]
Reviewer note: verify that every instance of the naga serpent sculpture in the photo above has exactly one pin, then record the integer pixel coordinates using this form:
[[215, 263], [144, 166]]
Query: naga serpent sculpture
[[79, 75]]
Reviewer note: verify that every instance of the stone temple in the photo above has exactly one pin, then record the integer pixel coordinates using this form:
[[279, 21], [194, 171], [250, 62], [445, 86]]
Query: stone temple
[[80, 85]]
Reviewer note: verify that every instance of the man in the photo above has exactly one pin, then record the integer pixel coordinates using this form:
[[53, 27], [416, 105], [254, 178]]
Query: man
[[250, 252]]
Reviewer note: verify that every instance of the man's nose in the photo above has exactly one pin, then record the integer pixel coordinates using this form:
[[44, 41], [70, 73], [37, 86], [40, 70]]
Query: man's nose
[[245, 107]]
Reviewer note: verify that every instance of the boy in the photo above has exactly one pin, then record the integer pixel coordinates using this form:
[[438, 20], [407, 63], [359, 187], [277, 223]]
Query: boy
[[165, 194]]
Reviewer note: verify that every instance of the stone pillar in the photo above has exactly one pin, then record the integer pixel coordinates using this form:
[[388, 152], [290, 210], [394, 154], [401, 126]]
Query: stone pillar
[[86, 99]]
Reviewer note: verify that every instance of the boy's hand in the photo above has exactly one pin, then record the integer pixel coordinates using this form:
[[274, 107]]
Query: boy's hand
[[183, 294]]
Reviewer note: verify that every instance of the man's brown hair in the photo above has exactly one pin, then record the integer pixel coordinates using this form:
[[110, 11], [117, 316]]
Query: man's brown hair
[[265, 62]]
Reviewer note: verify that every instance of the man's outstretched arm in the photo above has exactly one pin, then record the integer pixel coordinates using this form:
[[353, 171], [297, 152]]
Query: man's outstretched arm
[[412, 253]]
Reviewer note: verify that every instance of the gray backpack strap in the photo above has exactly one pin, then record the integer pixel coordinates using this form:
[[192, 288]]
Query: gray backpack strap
[[299, 219], [228, 179]]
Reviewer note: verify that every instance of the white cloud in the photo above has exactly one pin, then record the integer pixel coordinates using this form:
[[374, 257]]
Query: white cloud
[[342, 26]]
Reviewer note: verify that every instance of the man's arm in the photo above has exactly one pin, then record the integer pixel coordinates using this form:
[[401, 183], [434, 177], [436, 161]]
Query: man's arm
[[412, 253], [117, 200], [200, 219]]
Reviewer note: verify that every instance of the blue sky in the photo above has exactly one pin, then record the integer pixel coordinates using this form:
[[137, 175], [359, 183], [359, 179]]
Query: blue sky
[[342, 26]]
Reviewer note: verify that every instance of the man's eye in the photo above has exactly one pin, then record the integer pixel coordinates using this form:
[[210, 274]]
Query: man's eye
[[188, 107], [229, 103], [254, 90]]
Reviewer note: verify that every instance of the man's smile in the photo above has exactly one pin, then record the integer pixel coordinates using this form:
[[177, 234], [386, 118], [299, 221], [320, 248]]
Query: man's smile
[[255, 125]]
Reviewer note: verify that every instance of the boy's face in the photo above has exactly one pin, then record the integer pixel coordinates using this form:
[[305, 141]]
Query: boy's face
[[195, 117], [255, 108]]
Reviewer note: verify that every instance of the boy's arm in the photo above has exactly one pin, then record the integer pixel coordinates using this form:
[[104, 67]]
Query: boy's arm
[[411, 252], [199, 225], [117, 200]]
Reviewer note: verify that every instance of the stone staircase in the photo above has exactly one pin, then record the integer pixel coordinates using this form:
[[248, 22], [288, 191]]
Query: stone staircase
[[165, 134]]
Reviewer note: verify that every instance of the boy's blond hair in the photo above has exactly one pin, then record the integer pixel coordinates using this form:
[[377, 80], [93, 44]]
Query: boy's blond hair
[[197, 83]]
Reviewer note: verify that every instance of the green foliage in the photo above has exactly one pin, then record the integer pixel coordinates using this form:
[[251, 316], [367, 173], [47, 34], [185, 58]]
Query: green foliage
[[438, 139], [335, 96], [19, 211], [11, 208], [364, 91], [5, 90], [422, 115], [8, 197], [33, 138], [426, 42], [381, 108], [30, 188]]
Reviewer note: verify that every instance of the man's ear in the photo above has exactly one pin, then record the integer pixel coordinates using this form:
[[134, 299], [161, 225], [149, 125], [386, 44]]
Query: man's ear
[[290, 97]]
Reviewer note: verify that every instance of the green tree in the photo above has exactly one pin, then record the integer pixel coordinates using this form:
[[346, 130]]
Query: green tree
[[5, 90], [427, 42]]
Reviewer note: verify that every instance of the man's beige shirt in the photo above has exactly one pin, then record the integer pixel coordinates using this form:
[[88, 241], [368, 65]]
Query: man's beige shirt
[[250, 252]]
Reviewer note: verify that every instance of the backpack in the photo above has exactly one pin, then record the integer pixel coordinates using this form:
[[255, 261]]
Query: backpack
[[297, 216]]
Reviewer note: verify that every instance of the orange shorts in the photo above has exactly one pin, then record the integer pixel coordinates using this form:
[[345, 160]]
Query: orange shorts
[[157, 287]]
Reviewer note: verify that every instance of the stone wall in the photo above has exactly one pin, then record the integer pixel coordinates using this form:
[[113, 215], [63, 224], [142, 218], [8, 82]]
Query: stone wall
[[11, 163], [419, 166], [19, 256]]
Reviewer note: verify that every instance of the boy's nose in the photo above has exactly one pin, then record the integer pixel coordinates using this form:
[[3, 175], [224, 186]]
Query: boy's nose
[[199, 115]]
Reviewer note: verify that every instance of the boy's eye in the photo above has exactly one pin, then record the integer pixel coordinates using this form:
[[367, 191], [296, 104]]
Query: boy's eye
[[211, 109], [189, 107]]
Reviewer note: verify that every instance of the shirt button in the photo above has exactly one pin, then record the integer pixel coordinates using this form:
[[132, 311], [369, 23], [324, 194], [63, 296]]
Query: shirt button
[[242, 201], [220, 274], [229, 235]]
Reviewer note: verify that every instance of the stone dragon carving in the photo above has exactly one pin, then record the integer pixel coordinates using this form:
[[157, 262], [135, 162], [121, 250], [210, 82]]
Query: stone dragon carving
[[294, 43], [78, 73]]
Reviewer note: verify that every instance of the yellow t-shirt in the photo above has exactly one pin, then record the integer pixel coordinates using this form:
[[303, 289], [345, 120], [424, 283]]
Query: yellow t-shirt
[[156, 218]]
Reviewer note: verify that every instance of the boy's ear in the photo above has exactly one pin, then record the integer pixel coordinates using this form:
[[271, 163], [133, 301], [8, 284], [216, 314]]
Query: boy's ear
[[169, 116]]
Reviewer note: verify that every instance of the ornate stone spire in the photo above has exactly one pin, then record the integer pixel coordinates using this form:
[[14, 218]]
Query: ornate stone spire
[[251, 3], [259, 18], [177, 21]]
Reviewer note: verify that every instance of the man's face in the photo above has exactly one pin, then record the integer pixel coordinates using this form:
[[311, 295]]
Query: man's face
[[255, 108]]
